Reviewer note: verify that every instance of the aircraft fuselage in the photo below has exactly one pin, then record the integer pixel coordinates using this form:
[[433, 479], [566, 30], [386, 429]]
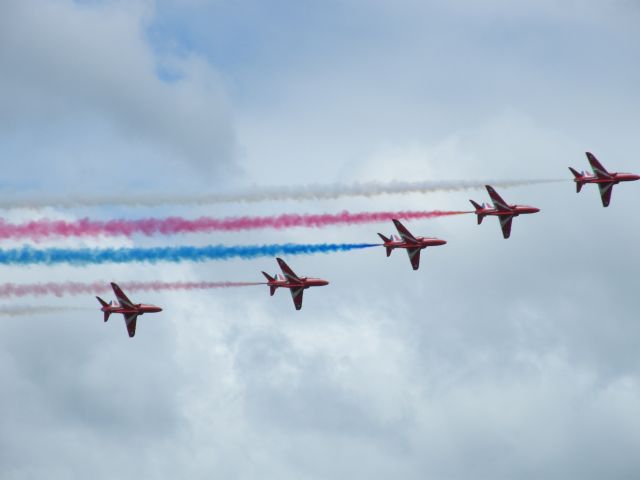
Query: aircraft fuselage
[[139, 309], [423, 242], [514, 211], [614, 178], [305, 282]]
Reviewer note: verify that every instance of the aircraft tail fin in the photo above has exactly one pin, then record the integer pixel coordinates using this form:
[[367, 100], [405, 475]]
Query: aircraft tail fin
[[477, 206], [577, 177], [106, 312], [272, 288], [386, 240]]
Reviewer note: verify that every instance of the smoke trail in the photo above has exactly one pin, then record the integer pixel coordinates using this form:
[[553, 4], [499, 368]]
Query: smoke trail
[[41, 229], [258, 194], [19, 311], [12, 290], [85, 256]]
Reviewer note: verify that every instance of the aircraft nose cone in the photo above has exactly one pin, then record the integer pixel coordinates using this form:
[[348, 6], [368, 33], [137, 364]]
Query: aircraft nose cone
[[535, 210], [325, 282], [443, 242]]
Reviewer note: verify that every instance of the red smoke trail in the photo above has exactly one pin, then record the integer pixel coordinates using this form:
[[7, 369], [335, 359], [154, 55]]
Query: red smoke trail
[[41, 229], [12, 290]]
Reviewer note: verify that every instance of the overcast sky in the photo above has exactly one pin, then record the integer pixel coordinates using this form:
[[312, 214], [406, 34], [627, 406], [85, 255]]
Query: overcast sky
[[496, 360]]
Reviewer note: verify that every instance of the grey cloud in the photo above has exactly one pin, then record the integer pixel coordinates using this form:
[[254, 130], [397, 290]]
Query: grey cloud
[[89, 72]]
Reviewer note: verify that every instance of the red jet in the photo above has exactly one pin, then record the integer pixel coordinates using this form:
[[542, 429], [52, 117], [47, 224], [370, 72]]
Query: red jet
[[502, 210], [412, 244], [293, 282], [126, 307], [602, 178]]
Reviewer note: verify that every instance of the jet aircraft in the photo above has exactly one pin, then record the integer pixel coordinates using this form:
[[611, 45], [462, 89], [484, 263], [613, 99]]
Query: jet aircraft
[[126, 307], [604, 179], [413, 245], [502, 210], [296, 285]]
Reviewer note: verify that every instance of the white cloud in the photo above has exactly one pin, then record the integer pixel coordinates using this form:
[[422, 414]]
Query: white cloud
[[82, 83]]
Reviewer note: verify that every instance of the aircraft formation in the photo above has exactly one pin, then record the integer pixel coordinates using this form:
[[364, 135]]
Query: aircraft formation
[[404, 240]]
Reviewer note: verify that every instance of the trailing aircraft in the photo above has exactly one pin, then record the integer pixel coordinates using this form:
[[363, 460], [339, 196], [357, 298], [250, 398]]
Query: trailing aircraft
[[502, 210], [413, 245], [126, 307], [296, 285]]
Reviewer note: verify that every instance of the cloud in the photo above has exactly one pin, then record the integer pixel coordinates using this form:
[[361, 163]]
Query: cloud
[[88, 72]]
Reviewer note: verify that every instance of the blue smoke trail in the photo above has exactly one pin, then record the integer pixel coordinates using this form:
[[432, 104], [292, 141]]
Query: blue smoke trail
[[85, 256]]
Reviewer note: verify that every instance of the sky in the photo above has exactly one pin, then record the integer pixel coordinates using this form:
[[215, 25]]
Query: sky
[[498, 359]]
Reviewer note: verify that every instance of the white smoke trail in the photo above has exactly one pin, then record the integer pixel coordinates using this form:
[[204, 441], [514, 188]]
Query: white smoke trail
[[26, 310], [265, 194]]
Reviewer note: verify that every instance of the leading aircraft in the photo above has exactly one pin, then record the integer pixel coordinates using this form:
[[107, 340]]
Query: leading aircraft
[[604, 179], [413, 245], [502, 210], [126, 307], [297, 285]]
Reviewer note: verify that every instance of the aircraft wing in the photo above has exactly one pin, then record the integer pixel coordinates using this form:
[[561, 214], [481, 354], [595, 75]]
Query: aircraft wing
[[505, 223], [296, 295], [497, 200], [130, 320], [414, 257], [287, 272], [404, 233], [606, 189], [597, 167], [122, 298]]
